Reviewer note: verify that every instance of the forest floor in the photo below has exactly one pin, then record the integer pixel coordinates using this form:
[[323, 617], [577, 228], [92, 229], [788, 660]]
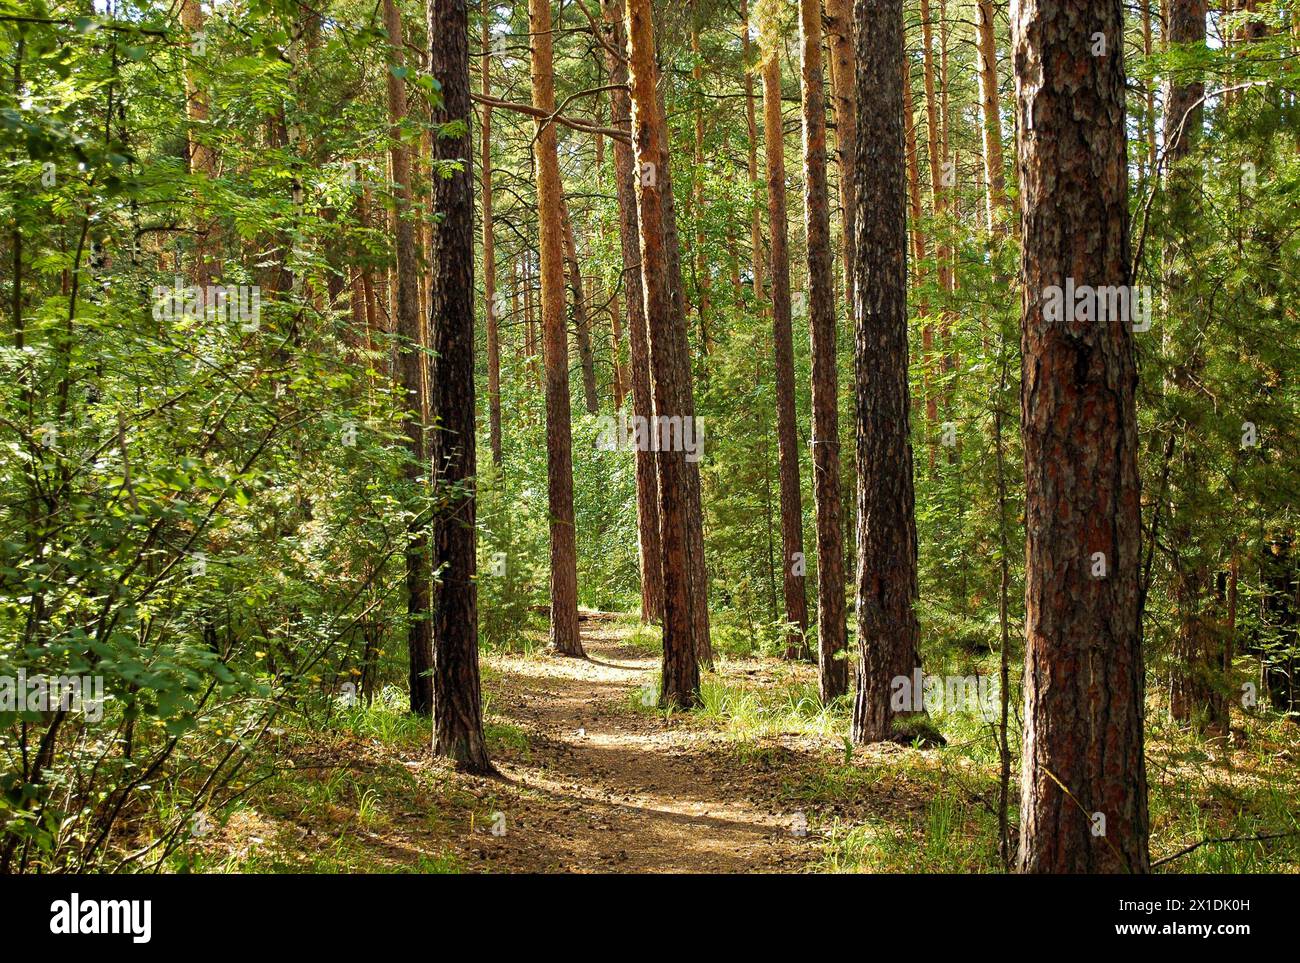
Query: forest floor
[[594, 778]]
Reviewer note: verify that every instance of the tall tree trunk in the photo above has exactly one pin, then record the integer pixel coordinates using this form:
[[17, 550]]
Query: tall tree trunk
[[669, 362], [839, 25], [793, 565], [647, 491], [932, 149], [944, 204], [886, 538], [489, 251], [932, 129], [202, 158], [581, 325], [751, 126], [913, 168], [616, 353], [565, 639], [834, 669], [457, 713], [1151, 90], [699, 576], [1083, 805], [995, 187], [419, 639], [703, 278], [1195, 695]]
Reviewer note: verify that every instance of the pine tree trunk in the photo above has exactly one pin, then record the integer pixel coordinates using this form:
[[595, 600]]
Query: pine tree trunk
[[699, 576], [839, 27], [995, 188], [489, 251], [751, 126], [616, 353], [913, 168], [1083, 762], [581, 325], [1194, 691], [419, 639], [565, 639], [669, 361], [202, 158], [886, 537], [932, 148], [825, 442], [1150, 90], [793, 560], [457, 713], [703, 278], [647, 491]]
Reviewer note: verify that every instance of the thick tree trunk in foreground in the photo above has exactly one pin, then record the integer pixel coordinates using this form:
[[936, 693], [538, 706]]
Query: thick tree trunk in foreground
[[699, 575], [1083, 804], [694, 490], [886, 537], [834, 668], [565, 639], [669, 362], [489, 252], [647, 490], [793, 562], [419, 641], [457, 708]]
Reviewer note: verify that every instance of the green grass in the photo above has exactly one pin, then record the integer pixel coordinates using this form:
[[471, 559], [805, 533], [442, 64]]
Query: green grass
[[503, 735], [949, 837], [1196, 795]]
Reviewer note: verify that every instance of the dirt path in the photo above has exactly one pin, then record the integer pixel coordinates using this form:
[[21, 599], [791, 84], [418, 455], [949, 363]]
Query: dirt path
[[604, 787]]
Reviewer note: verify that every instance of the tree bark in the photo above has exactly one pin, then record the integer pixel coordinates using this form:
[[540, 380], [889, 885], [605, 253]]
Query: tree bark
[[913, 168], [1083, 761], [834, 671], [839, 25], [699, 592], [1195, 695], [581, 325], [458, 713], [751, 126], [703, 277], [419, 640], [669, 361], [995, 188], [489, 250], [202, 158], [793, 563], [565, 639], [647, 491], [886, 536]]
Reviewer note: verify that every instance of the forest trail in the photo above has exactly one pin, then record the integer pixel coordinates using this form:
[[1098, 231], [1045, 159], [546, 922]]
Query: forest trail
[[592, 779], [605, 786]]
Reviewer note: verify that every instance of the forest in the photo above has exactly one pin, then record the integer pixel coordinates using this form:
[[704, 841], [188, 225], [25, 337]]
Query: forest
[[615, 436]]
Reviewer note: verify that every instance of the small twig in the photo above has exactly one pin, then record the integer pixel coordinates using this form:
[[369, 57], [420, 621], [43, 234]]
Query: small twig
[[1224, 839]]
